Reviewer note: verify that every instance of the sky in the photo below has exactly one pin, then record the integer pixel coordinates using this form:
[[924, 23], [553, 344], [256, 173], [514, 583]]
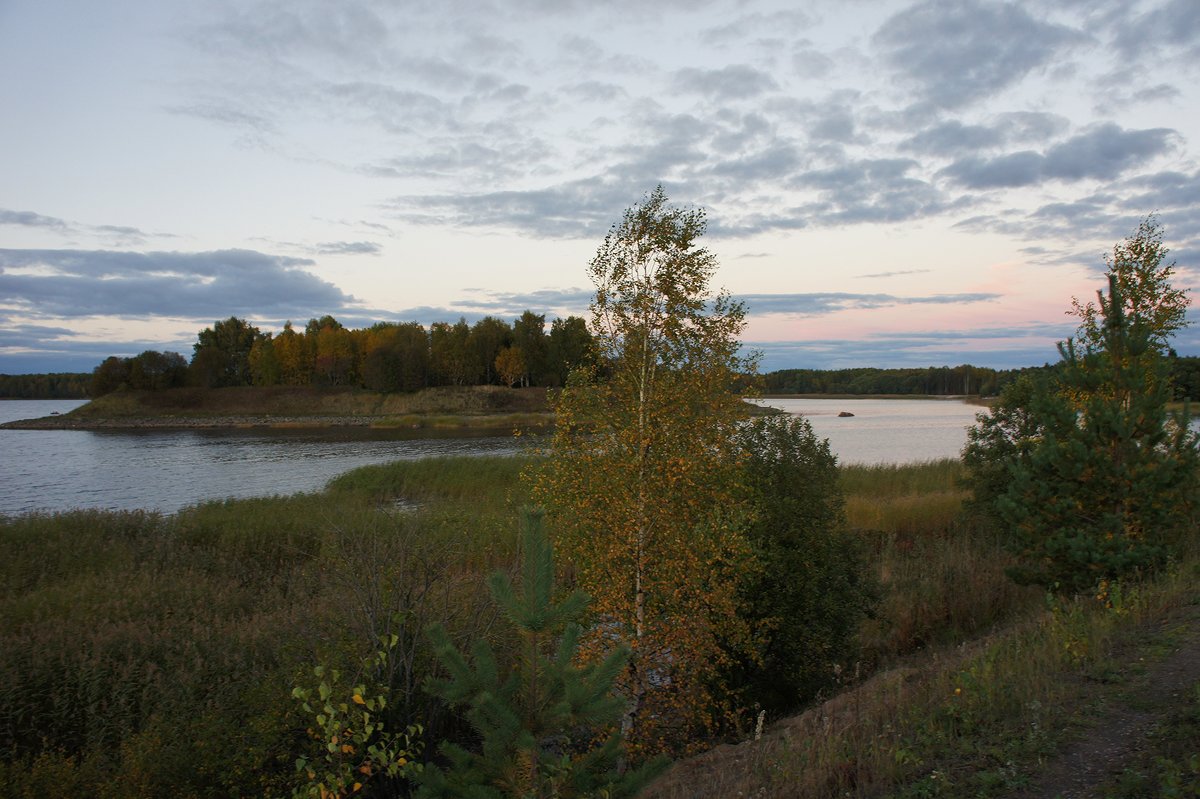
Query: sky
[[886, 184]]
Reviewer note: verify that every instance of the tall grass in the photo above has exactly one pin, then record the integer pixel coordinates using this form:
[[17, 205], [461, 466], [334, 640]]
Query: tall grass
[[148, 655], [941, 569], [976, 720], [485, 483]]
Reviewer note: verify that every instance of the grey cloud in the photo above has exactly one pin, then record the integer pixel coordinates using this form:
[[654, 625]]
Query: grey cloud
[[819, 304], [1103, 152], [276, 30], [164, 284], [750, 25], [836, 124], [513, 304], [32, 348], [808, 62], [1169, 190], [593, 91], [27, 335], [734, 82], [956, 52], [1006, 171], [952, 136], [1175, 23], [775, 160], [119, 233], [462, 158], [894, 354], [869, 190], [1115, 92], [998, 348], [397, 110], [896, 273], [576, 209], [31, 219], [348, 248], [225, 113]]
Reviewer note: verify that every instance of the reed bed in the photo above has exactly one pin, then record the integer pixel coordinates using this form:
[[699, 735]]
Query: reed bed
[[150, 655]]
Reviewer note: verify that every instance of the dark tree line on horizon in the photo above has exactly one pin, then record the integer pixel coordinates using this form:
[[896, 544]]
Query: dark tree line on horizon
[[393, 368], [934, 380]]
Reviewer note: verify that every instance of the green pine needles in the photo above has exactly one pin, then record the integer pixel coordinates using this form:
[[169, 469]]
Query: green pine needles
[[548, 728], [1086, 469], [1110, 487]]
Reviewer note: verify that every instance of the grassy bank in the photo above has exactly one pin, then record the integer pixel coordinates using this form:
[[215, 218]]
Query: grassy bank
[[984, 718], [146, 655], [296, 406]]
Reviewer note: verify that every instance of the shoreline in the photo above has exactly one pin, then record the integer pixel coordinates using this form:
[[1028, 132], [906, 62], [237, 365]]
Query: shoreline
[[271, 422]]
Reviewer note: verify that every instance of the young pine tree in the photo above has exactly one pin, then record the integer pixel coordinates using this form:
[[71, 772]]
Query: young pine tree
[[538, 724], [1108, 488]]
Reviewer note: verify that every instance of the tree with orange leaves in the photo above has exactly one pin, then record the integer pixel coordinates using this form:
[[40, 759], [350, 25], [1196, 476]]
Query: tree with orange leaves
[[642, 484]]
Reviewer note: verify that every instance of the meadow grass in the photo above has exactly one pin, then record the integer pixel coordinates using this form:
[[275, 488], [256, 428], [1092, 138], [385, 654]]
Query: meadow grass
[[150, 655], [940, 567], [975, 719]]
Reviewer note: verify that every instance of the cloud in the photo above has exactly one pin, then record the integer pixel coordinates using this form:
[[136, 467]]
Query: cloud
[[32, 348], [997, 348], [952, 137], [809, 62], [1103, 152], [576, 209], [896, 273], [113, 234], [31, 219], [821, 303], [894, 354], [1175, 23], [574, 300], [348, 248], [955, 52], [202, 285], [225, 112], [727, 84], [868, 190], [751, 25]]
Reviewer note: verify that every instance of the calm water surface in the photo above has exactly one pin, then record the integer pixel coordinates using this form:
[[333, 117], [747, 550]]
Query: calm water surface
[[887, 430], [167, 470]]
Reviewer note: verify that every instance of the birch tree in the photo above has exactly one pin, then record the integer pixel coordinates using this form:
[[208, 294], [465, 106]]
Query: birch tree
[[642, 480]]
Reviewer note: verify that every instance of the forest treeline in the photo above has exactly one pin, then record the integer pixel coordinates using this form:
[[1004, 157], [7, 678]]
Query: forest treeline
[[57, 385], [933, 380], [154, 370], [943, 380], [386, 357]]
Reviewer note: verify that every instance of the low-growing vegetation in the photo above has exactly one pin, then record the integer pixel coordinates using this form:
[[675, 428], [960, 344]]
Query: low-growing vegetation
[[149, 655]]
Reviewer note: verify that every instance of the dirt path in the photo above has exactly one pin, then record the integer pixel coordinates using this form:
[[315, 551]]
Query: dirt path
[[1128, 713]]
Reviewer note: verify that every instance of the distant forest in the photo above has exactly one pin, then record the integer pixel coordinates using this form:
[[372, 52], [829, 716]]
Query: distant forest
[[391, 357]]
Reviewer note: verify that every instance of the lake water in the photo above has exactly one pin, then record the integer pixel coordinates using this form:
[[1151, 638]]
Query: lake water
[[887, 430], [166, 470]]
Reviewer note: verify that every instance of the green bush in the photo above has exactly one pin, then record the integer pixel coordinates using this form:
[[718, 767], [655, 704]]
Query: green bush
[[812, 589]]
